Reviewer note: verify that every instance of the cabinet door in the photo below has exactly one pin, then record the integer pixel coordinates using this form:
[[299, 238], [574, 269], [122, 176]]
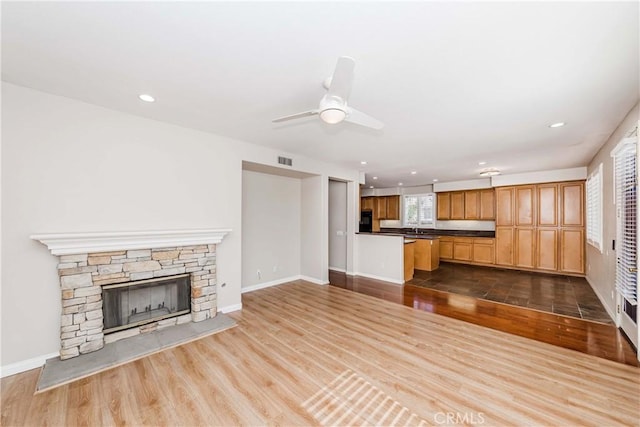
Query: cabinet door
[[504, 245], [484, 251], [457, 205], [471, 204], [572, 195], [446, 248], [424, 254], [504, 206], [525, 248], [408, 261], [547, 249], [393, 207], [547, 205], [444, 206], [487, 205], [462, 249], [524, 206], [381, 208], [572, 251], [367, 203]]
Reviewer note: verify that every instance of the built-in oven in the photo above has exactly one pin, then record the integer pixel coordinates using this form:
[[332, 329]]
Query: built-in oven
[[366, 221]]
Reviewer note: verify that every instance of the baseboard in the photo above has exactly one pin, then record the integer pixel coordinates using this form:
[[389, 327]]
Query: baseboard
[[25, 365], [269, 284], [339, 270], [351, 273], [230, 308], [313, 280], [384, 279], [610, 311]]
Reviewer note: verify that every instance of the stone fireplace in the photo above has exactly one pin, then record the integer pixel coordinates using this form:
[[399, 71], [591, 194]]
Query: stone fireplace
[[92, 265]]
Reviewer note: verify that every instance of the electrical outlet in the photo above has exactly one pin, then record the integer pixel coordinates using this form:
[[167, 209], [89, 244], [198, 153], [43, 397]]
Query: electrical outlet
[[259, 274]]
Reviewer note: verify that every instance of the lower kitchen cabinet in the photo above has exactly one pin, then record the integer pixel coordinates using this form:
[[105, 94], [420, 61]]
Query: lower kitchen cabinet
[[426, 254], [484, 251], [408, 261], [462, 249], [525, 248], [572, 251], [446, 247], [547, 249], [504, 246]]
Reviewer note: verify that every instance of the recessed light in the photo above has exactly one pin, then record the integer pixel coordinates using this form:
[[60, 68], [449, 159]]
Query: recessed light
[[371, 186], [490, 172], [375, 177], [557, 125], [482, 163], [414, 172], [364, 162], [147, 98], [435, 179], [399, 183]]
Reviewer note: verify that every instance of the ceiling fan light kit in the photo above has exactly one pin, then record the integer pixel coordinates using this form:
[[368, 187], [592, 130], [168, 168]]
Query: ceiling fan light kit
[[489, 172], [333, 106]]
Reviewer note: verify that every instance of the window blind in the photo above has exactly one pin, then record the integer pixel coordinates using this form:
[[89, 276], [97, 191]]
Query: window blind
[[626, 194], [419, 210], [594, 208]]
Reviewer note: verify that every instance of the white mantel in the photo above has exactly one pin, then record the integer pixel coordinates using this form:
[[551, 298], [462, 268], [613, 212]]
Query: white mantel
[[82, 243]]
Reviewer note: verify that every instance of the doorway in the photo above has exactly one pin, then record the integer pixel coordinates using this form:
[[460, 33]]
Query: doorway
[[337, 226]]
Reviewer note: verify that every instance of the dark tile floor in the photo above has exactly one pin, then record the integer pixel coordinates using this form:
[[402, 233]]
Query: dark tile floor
[[570, 296]]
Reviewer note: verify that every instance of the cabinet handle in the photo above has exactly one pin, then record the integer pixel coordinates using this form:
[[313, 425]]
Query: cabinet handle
[[633, 270]]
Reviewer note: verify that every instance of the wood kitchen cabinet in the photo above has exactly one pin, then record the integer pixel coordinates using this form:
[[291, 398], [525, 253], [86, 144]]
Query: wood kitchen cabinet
[[393, 207], [504, 206], [380, 211], [504, 246], [444, 206], [457, 205], [427, 254], [471, 205], [446, 247], [487, 204], [541, 227], [484, 250], [366, 203], [572, 196], [462, 248], [408, 261]]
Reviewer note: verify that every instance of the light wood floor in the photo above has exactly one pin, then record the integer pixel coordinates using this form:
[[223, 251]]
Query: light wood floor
[[305, 354]]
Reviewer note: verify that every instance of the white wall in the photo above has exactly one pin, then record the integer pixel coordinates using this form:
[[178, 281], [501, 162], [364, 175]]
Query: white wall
[[69, 166], [314, 253], [380, 257], [338, 225], [270, 228], [601, 267]]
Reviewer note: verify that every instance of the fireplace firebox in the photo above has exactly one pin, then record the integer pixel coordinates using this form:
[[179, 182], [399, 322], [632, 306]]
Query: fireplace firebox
[[145, 301]]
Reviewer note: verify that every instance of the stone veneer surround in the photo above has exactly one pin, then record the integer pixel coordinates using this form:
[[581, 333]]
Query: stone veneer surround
[[90, 260]]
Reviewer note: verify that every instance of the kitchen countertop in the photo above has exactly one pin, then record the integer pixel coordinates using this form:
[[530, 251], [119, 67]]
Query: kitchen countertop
[[407, 235], [438, 232]]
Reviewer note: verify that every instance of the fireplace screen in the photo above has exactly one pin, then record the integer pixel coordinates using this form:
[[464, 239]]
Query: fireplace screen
[[145, 301]]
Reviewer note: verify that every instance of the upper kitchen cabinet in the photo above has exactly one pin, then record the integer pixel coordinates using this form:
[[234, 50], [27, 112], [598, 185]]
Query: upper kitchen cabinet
[[380, 211], [524, 206], [471, 205], [504, 206], [367, 203], [457, 205], [547, 206], [572, 196], [444, 206], [393, 207], [487, 204]]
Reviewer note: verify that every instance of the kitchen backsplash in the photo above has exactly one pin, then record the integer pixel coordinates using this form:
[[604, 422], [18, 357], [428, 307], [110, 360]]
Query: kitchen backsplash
[[449, 225]]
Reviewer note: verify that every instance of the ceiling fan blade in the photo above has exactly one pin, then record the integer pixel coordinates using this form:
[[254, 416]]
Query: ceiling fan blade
[[363, 119], [295, 116], [342, 78]]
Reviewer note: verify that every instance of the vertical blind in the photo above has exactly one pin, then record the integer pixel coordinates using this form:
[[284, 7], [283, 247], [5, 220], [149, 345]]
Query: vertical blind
[[626, 194], [418, 210], [594, 208]]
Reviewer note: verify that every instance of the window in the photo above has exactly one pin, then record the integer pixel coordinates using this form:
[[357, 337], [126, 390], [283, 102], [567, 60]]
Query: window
[[594, 208], [626, 192], [418, 210]]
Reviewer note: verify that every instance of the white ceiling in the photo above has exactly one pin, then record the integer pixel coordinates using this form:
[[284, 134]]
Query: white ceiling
[[455, 83]]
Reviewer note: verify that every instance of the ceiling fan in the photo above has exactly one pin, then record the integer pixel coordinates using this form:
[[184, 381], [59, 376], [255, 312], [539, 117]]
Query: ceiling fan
[[333, 106]]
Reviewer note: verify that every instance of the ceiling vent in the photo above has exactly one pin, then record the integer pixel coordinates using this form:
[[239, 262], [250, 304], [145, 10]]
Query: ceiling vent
[[285, 161]]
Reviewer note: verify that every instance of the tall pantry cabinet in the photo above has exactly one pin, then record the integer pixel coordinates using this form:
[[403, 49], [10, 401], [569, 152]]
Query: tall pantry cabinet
[[541, 227]]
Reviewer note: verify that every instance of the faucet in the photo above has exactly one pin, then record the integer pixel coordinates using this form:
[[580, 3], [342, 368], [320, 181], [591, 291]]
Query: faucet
[[415, 230]]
